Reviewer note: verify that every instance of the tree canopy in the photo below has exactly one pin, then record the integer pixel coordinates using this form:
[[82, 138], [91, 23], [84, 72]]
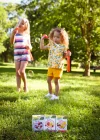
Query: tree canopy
[[3, 28], [80, 18]]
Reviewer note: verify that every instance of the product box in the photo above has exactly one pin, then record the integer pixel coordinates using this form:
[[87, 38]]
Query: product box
[[38, 122], [61, 123], [50, 123]]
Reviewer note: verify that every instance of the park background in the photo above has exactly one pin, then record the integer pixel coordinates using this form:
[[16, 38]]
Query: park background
[[80, 89]]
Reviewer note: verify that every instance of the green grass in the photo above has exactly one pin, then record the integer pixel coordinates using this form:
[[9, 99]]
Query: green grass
[[79, 101]]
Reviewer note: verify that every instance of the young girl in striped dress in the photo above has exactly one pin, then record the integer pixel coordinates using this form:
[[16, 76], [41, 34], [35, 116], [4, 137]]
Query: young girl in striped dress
[[20, 37]]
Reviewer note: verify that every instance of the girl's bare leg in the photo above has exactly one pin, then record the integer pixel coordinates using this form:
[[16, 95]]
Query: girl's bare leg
[[56, 81], [23, 74], [18, 76], [49, 79]]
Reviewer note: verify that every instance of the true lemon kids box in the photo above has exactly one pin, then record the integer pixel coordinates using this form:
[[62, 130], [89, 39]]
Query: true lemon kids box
[[61, 123], [38, 122], [50, 123]]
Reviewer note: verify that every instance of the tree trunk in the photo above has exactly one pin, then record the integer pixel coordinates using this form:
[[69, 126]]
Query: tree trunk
[[86, 30], [87, 62], [87, 69], [5, 56]]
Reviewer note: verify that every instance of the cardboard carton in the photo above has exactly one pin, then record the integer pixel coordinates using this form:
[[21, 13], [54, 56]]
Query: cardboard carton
[[38, 122], [61, 123], [50, 122]]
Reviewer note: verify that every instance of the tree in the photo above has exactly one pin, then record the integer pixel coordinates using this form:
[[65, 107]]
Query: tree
[[79, 17], [85, 31], [9, 19], [3, 34], [42, 20]]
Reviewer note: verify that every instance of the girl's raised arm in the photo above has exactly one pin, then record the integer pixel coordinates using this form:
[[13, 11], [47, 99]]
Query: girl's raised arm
[[42, 46], [13, 35]]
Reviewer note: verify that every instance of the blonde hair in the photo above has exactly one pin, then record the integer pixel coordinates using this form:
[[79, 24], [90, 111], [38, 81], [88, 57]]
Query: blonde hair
[[27, 30], [63, 33]]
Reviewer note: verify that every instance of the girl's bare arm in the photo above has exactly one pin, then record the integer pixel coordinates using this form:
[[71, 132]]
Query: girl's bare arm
[[12, 36], [42, 46]]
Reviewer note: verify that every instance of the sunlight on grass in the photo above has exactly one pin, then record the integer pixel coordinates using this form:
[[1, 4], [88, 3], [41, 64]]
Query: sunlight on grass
[[79, 101], [37, 84]]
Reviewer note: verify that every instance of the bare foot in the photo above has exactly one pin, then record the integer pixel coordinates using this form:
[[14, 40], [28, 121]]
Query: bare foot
[[18, 89], [25, 89]]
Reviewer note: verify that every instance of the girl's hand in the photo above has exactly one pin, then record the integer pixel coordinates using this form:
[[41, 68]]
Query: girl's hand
[[15, 30], [66, 53], [27, 47], [44, 36]]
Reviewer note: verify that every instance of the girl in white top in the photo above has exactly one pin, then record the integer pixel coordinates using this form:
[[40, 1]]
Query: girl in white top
[[20, 37]]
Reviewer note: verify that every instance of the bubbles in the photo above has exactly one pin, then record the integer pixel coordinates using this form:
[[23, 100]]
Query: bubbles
[[37, 40], [30, 73]]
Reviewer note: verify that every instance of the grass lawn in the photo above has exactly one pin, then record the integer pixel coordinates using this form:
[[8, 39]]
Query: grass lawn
[[79, 101]]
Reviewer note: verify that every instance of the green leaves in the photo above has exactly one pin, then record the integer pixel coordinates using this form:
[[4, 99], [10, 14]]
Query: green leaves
[[3, 34], [79, 17]]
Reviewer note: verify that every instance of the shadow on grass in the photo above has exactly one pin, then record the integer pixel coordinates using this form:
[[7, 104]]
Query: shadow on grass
[[5, 94], [95, 90], [11, 99], [89, 89], [11, 69], [6, 69], [5, 64], [10, 94], [44, 71], [79, 125], [81, 73], [7, 89]]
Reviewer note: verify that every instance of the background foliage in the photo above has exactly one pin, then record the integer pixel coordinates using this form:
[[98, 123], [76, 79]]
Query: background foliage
[[80, 18]]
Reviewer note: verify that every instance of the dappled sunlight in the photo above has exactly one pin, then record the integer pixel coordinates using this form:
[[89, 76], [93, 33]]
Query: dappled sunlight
[[78, 100], [37, 84]]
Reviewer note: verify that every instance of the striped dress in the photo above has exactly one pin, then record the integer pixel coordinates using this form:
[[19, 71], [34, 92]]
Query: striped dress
[[20, 51]]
